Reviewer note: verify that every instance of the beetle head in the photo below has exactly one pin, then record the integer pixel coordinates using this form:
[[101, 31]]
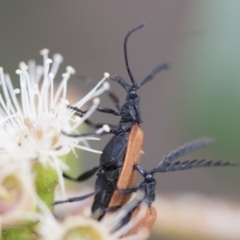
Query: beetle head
[[149, 177]]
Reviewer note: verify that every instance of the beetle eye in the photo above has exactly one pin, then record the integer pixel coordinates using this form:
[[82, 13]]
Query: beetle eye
[[133, 94]]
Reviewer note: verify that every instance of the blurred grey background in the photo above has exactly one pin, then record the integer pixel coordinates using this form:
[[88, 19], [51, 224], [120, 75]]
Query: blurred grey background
[[198, 96]]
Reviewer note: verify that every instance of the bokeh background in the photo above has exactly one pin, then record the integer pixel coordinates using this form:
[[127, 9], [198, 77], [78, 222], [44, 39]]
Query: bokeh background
[[198, 96]]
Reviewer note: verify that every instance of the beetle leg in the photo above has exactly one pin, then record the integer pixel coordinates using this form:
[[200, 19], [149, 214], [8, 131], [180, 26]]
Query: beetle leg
[[139, 169], [83, 176], [74, 199], [98, 125], [122, 82], [114, 99], [127, 190], [108, 110], [81, 113], [105, 129], [78, 110]]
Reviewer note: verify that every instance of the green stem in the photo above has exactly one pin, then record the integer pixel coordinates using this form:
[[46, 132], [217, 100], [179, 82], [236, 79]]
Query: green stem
[[46, 181]]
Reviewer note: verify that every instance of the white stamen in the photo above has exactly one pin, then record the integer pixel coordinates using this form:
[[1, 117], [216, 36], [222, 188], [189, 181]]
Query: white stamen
[[96, 101], [106, 86], [88, 149], [130, 224], [44, 51], [18, 71], [58, 58], [16, 91], [106, 75], [70, 70], [102, 89], [50, 75], [106, 128], [39, 70], [66, 75], [49, 61], [90, 95], [86, 116], [23, 66]]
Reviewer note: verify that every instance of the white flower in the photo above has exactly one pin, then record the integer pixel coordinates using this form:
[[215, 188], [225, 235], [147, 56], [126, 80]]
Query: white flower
[[31, 125], [83, 227]]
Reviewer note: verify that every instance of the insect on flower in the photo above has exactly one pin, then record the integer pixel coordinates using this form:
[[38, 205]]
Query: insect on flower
[[122, 154], [113, 158]]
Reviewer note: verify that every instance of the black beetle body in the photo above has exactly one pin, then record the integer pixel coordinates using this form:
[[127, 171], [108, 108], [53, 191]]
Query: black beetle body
[[114, 152], [111, 160], [106, 187]]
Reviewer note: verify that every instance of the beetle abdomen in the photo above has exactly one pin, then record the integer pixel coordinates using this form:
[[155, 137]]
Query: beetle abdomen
[[114, 152]]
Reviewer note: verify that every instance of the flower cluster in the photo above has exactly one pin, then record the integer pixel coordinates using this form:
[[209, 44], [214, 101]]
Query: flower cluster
[[33, 151]]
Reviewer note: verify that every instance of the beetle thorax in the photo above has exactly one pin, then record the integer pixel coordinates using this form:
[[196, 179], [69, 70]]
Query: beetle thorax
[[130, 111]]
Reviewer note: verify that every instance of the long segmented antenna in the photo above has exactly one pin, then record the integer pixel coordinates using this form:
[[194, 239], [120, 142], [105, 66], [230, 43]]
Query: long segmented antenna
[[189, 164], [186, 148], [154, 72], [125, 51]]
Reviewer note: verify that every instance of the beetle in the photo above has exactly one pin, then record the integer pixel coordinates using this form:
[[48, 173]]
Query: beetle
[[167, 164], [126, 178], [113, 156]]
